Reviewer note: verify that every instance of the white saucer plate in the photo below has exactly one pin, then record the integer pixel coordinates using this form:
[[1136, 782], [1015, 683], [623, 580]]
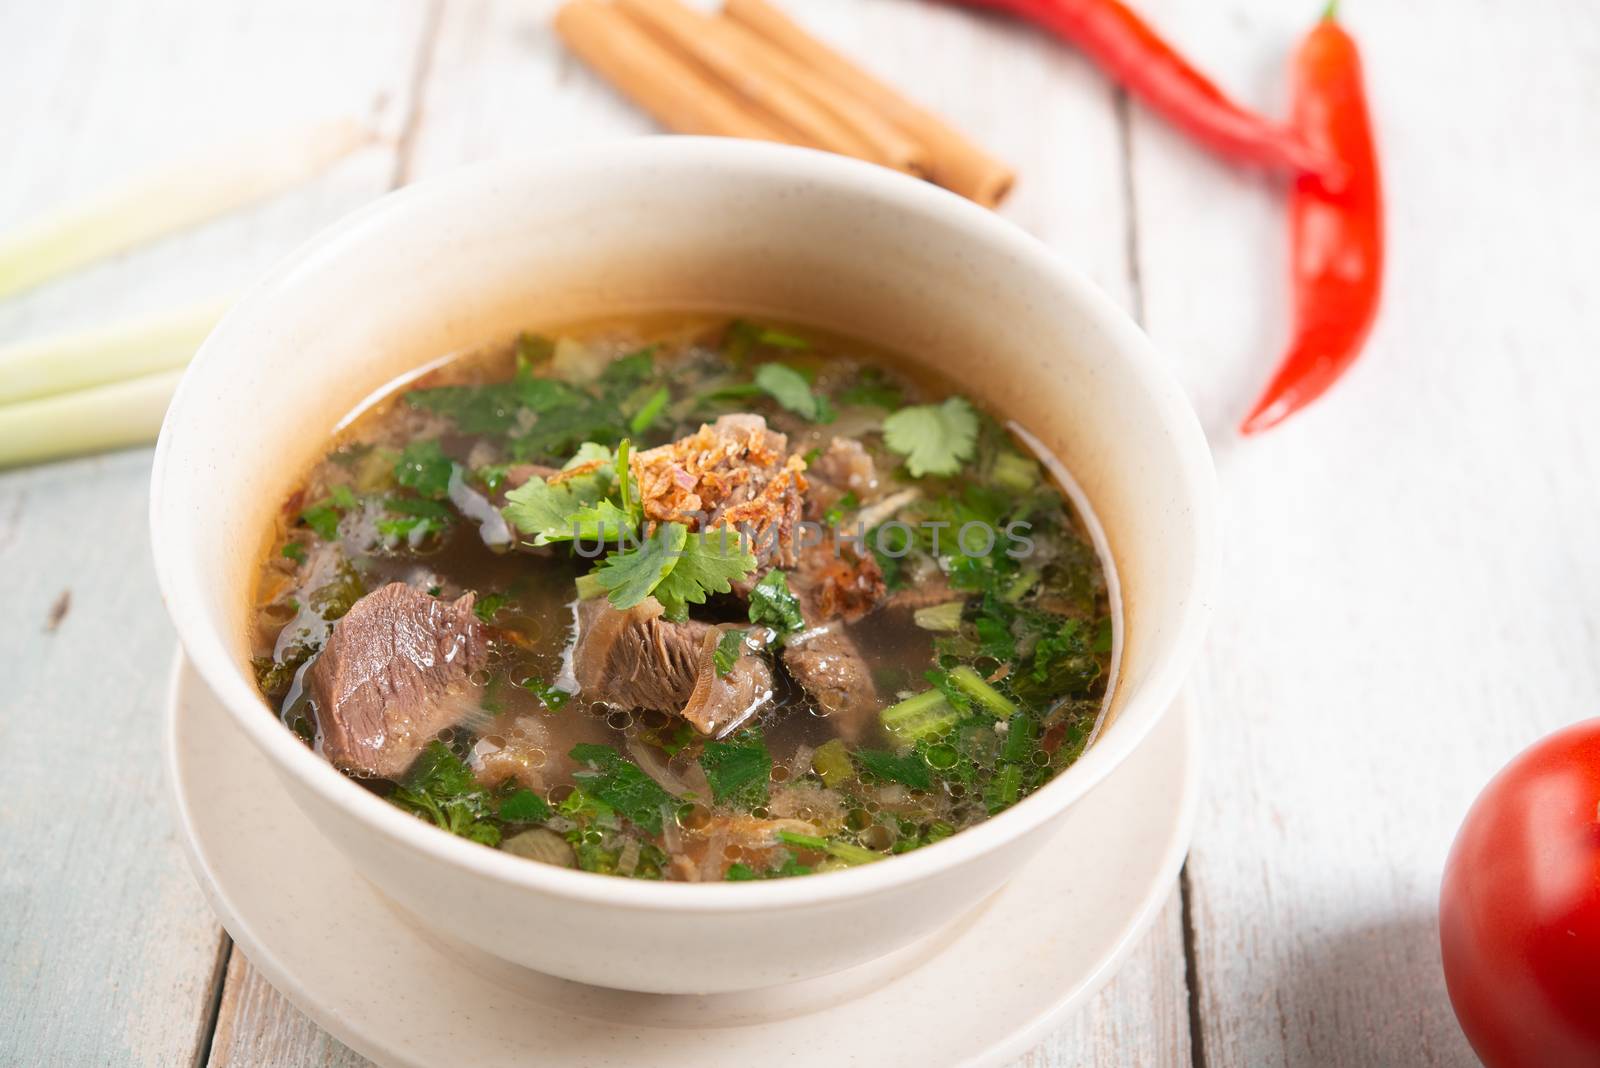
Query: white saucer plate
[[980, 992]]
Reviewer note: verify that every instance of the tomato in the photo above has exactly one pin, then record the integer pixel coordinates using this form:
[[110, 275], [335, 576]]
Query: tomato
[[1519, 911]]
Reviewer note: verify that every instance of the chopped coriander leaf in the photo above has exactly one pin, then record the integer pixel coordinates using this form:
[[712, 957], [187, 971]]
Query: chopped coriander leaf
[[524, 806], [627, 372], [295, 551], [323, 519], [424, 467], [489, 605], [730, 647], [343, 497], [872, 388], [708, 563], [497, 408], [633, 574], [935, 439], [414, 520], [335, 597], [773, 605], [908, 769], [791, 390], [554, 699], [532, 350], [493, 476], [842, 507], [743, 335], [620, 784], [739, 873], [440, 788], [738, 770], [548, 513]]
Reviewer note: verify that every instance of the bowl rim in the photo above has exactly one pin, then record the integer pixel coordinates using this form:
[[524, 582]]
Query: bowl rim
[[171, 538]]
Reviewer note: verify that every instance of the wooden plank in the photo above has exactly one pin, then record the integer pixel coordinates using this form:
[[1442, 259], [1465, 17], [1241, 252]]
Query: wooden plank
[[1140, 1017], [111, 955], [1409, 584], [258, 1028]]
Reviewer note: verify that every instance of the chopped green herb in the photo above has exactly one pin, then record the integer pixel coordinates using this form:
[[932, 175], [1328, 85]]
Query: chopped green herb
[[708, 563], [791, 390], [739, 873], [424, 467], [873, 388], [773, 605], [906, 768], [738, 770], [924, 715], [650, 411], [414, 520], [804, 841], [554, 699], [440, 788], [295, 551], [323, 519], [524, 806], [730, 647], [633, 574], [842, 507], [620, 784], [934, 438], [487, 606], [550, 513]]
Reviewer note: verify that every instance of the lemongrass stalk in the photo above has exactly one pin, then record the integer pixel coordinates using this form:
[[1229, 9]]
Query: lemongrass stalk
[[67, 362], [206, 185], [101, 417]]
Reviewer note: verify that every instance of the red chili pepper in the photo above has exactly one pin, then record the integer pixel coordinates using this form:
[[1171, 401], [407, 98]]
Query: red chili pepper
[[1134, 55], [1337, 228]]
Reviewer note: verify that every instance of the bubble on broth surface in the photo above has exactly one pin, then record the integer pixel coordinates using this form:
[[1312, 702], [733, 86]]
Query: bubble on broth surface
[[620, 720]]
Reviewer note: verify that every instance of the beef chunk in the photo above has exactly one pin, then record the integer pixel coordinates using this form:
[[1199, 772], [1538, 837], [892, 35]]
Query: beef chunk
[[395, 672], [826, 661], [833, 587], [637, 659], [845, 468]]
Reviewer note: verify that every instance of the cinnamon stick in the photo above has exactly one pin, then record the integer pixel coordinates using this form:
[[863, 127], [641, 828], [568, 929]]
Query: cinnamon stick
[[886, 143], [956, 163], [654, 77], [705, 42]]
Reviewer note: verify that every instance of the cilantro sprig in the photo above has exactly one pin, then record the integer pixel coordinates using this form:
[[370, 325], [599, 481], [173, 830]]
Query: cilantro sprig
[[935, 439]]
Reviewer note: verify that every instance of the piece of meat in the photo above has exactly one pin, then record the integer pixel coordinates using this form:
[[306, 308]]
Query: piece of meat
[[733, 473], [636, 659], [846, 467], [826, 661], [395, 672]]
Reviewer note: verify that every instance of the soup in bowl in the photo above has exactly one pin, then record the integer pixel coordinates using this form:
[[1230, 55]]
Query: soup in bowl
[[597, 544]]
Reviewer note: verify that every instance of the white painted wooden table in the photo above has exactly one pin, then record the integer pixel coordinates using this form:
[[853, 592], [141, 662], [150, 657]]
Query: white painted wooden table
[[1412, 587]]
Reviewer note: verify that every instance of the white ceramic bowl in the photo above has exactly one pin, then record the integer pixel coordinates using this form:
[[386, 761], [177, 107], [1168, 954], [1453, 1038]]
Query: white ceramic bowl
[[679, 223]]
